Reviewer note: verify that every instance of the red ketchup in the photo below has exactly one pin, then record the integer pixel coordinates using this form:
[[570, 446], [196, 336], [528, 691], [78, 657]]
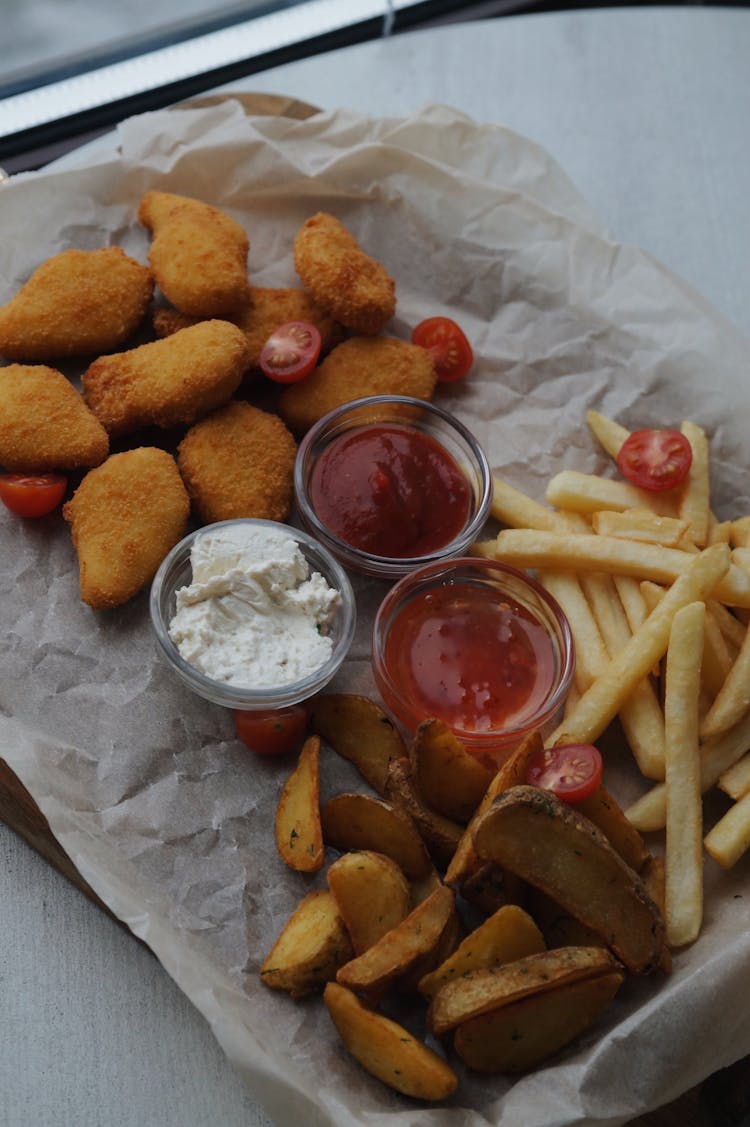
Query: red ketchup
[[390, 490], [478, 662]]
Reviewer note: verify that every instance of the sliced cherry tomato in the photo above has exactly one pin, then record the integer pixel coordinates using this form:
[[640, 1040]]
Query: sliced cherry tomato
[[450, 350], [655, 459], [571, 771], [32, 495], [291, 352], [272, 731]]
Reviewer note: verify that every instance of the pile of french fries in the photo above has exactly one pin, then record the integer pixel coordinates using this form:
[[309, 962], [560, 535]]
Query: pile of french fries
[[657, 593], [442, 841]]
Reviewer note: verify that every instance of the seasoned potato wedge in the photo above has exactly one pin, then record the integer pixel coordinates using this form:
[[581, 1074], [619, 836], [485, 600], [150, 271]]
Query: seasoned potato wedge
[[558, 927], [359, 730], [372, 894], [453, 933], [440, 834], [357, 821], [508, 935], [521, 1035], [387, 1050], [548, 843], [605, 812], [299, 837], [310, 949], [399, 949], [451, 781], [490, 888], [479, 991]]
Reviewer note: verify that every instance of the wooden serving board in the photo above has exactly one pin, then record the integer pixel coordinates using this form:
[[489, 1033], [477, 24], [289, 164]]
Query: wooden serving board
[[729, 1102]]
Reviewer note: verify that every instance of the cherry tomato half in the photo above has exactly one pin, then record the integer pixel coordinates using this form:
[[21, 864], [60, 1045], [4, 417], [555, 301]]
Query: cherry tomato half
[[450, 350], [655, 459], [272, 731], [32, 495], [571, 771], [291, 352]]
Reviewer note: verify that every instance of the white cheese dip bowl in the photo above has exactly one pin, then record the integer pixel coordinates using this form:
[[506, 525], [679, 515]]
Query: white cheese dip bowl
[[252, 614]]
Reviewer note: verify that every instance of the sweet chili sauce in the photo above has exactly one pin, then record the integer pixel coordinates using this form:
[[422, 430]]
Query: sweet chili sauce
[[390, 490]]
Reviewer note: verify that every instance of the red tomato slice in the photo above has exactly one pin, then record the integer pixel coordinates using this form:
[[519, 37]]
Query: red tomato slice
[[291, 352], [571, 771], [655, 459], [32, 495], [450, 350], [272, 731]]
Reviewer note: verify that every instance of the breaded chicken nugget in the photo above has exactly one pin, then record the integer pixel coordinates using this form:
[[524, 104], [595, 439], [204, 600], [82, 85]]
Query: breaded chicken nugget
[[124, 517], [44, 422], [354, 288], [268, 308], [77, 303], [238, 462], [168, 381], [198, 254], [360, 366]]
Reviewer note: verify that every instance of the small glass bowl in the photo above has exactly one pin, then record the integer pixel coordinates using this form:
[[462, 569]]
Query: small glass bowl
[[494, 745], [175, 572], [425, 417]]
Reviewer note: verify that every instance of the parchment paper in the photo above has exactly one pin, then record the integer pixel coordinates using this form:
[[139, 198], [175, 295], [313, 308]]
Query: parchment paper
[[164, 813]]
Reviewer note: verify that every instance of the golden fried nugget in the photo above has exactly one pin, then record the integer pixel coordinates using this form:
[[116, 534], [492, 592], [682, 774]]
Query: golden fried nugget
[[124, 517], [45, 424], [354, 288], [360, 366], [167, 382], [267, 309], [198, 254], [238, 462], [77, 303]]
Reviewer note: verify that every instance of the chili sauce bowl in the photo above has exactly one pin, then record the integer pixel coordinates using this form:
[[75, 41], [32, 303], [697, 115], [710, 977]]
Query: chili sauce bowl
[[389, 483], [477, 644]]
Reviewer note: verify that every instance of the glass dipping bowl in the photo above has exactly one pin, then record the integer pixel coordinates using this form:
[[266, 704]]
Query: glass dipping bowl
[[424, 417], [498, 582], [175, 572]]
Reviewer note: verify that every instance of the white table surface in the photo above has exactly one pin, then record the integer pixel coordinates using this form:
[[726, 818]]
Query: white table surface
[[647, 111]]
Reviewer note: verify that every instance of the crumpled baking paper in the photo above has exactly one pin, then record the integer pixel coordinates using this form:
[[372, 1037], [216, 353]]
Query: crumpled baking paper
[[164, 813]]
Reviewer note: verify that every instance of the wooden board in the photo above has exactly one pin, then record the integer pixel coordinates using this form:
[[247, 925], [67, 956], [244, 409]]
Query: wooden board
[[729, 1089]]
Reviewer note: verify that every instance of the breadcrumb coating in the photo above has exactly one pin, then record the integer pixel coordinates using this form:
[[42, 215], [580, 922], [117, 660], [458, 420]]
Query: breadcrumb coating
[[45, 424], [124, 517], [238, 462], [358, 367], [198, 254], [354, 288], [77, 303], [167, 382]]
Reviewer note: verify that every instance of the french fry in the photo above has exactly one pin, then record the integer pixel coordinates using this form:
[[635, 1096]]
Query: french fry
[[372, 895], [357, 821], [358, 730], [451, 781], [608, 433], [312, 946], [684, 853], [640, 524], [719, 532], [735, 781], [731, 628], [387, 1050], [740, 535], [591, 653], [603, 700], [717, 659], [587, 493], [730, 837], [516, 510], [299, 838], [694, 497], [733, 699]]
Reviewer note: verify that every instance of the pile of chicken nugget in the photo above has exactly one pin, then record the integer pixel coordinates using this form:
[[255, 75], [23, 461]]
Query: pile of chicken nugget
[[194, 381]]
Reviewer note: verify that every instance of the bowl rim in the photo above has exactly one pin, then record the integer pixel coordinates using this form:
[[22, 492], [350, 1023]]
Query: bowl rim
[[246, 697]]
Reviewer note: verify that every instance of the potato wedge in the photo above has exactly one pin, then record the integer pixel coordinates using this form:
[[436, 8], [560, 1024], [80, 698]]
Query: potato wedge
[[453, 933], [357, 821], [387, 1050], [312, 946], [605, 812], [451, 781], [507, 935], [553, 847], [558, 927], [521, 1035], [440, 834], [480, 991], [372, 894], [299, 837], [490, 888], [358, 730], [399, 949]]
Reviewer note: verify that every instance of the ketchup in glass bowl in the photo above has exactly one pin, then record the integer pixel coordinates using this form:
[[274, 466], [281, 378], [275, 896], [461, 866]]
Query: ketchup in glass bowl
[[477, 644], [389, 483]]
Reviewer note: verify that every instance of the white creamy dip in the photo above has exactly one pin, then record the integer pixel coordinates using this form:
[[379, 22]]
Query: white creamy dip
[[253, 615]]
